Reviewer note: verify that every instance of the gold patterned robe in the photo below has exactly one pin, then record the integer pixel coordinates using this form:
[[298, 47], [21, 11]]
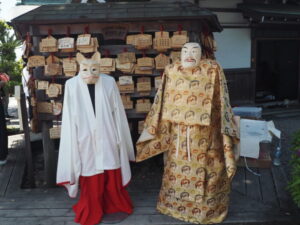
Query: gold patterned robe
[[192, 120]]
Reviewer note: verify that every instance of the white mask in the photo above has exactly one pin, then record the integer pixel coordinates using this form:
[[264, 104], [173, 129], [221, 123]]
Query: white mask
[[89, 69], [190, 55]]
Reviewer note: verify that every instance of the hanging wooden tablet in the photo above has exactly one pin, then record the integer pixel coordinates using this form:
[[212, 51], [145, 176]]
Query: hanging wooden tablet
[[126, 57], [126, 88], [143, 105], [48, 44], [146, 72], [131, 40], [107, 65], [55, 132], [44, 107], [52, 59], [70, 66], [162, 41], [128, 104], [92, 47], [53, 69], [54, 90], [66, 44], [144, 84], [177, 41], [183, 32], [124, 80], [124, 67], [161, 61], [36, 60], [175, 56], [42, 85], [143, 41], [145, 63], [83, 40]]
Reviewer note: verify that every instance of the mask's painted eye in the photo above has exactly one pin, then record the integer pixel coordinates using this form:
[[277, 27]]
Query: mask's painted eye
[[94, 69], [84, 69]]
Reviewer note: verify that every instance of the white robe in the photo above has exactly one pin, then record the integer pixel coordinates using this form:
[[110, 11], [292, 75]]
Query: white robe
[[93, 142]]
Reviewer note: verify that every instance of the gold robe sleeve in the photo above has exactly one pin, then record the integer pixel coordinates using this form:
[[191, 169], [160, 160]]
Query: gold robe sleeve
[[155, 137], [228, 127]]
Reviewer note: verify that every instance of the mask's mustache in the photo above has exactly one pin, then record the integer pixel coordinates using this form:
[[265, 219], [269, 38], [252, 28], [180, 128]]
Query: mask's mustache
[[190, 60], [88, 77]]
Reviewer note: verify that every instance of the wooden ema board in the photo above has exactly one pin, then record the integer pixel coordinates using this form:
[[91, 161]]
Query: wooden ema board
[[126, 57], [161, 61], [128, 104], [44, 107], [35, 61], [128, 88], [144, 84], [66, 43], [107, 65], [143, 105], [55, 132], [53, 69]]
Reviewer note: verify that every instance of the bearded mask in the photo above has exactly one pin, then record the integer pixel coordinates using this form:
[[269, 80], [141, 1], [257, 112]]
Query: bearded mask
[[190, 55], [89, 69]]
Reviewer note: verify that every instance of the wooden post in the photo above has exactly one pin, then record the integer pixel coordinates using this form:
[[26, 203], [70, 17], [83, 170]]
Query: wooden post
[[49, 155], [28, 153]]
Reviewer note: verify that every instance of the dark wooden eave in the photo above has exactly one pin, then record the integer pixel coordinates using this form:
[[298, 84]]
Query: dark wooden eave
[[271, 13], [117, 12]]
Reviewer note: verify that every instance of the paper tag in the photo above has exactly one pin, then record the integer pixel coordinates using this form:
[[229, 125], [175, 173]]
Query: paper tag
[[42, 85], [123, 80], [35, 61], [83, 39], [66, 43]]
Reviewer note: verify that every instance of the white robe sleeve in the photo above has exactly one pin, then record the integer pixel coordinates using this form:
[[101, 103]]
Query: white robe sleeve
[[124, 136], [69, 164]]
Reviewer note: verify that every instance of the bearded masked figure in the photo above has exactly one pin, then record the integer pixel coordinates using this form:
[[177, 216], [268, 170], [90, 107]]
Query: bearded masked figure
[[192, 121], [96, 145]]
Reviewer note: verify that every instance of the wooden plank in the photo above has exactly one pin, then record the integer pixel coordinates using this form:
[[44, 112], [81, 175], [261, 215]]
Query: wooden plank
[[253, 186], [268, 188], [280, 181], [238, 183], [50, 158], [6, 171]]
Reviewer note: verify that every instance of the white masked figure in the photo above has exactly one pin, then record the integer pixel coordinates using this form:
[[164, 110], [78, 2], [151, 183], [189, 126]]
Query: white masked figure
[[96, 145], [192, 121]]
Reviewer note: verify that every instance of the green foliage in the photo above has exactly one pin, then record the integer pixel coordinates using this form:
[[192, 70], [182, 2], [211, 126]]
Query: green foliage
[[8, 63], [294, 184]]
